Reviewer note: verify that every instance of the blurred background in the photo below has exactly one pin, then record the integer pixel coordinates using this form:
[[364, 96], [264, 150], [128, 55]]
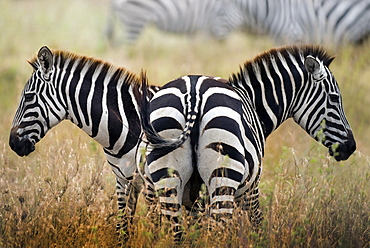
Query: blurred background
[[63, 194]]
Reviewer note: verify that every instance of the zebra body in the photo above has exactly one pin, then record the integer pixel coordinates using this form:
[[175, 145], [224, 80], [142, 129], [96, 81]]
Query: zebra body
[[167, 171], [186, 16], [68, 86], [290, 82], [331, 22]]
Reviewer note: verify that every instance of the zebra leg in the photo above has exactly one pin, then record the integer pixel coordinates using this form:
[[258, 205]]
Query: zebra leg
[[222, 176], [247, 197], [149, 191], [221, 159], [252, 206], [169, 174], [127, 190], [221, 187]]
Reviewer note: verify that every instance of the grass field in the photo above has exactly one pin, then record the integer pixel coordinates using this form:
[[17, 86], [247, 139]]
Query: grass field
[[63, 194]]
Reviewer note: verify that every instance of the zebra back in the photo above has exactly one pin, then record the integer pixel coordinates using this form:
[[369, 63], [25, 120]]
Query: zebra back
[[194, 107], [333, 22], [155, 140], [182, 17]]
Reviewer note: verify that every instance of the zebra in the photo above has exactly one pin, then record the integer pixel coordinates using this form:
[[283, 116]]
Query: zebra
[[331, 22], [187, 16], [227, 137], [161, 172], [99, 98]]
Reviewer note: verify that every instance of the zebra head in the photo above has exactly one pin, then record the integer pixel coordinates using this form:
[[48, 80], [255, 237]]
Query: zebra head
[[321, 112], [37, 111]]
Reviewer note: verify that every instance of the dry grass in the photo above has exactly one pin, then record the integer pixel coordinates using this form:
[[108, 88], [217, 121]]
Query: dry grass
[[63, 195]]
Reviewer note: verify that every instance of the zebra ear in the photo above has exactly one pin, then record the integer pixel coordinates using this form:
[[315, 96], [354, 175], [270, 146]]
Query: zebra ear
[[45, 58], [314, 67]]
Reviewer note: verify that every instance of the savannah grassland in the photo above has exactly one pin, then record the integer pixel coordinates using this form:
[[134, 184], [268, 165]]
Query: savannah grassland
[[63, 194]]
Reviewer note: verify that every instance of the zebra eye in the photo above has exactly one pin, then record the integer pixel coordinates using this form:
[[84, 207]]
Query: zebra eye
[[334, 97], [29, 96]]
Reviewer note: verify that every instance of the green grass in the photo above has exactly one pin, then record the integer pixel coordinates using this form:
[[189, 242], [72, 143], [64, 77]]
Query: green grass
[[63, 194]]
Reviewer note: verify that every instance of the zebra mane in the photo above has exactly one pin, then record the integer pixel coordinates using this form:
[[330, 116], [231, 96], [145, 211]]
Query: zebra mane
[[120, 73], [298, 53]]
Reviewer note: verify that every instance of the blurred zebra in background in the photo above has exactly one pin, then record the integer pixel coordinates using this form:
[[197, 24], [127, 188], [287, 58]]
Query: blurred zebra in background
[[228, 126], [65, 86], [327, 22], [185, 16]]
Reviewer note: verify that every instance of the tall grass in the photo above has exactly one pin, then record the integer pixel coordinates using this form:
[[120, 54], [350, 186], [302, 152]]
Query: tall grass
[[63, 194]]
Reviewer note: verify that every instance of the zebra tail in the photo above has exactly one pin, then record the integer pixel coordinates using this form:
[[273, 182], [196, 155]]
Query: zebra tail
[[153, 138]]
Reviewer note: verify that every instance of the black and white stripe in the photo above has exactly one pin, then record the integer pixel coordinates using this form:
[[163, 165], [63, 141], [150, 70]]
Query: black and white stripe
[[96, 96], [172, 158], [186, 16], [228, 126], [329, 22]]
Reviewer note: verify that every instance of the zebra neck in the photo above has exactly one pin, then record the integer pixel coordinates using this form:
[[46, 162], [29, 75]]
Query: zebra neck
[[101, 101], [273, 101]]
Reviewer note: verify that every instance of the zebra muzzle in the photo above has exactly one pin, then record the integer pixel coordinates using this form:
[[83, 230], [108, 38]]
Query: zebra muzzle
[[342, 151], [20, 145]]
